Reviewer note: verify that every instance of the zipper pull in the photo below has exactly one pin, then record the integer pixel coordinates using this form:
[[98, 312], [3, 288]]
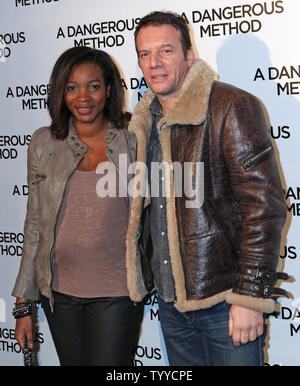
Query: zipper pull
[[38, 179], [254, 159]]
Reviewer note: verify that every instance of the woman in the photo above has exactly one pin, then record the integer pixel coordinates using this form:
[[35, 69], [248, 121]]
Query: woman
[[74, 248]]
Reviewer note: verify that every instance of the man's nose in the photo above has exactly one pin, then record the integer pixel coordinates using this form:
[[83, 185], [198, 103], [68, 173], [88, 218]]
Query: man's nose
[[155, 60]]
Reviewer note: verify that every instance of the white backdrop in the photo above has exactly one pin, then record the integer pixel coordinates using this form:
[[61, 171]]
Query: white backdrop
[[251, 44]]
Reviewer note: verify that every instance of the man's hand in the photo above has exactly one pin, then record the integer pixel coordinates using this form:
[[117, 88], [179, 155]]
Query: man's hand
[[245, 325]]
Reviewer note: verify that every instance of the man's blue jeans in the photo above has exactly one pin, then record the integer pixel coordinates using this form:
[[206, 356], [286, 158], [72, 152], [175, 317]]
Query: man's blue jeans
[[200, 338]]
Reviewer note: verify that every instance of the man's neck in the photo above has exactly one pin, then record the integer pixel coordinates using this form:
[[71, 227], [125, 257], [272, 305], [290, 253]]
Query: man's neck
[[166, 103]]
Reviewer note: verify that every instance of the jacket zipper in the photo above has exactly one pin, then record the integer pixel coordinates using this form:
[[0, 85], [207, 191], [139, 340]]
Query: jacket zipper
[[251, 161], [38, 179], [54, 237], [180, 232]]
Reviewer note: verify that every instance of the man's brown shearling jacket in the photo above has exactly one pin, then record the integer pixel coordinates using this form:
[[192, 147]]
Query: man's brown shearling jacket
[[227, 249]]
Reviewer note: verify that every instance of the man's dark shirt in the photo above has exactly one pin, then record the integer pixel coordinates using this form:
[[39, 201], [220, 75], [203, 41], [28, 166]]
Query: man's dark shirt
[[160, 262]]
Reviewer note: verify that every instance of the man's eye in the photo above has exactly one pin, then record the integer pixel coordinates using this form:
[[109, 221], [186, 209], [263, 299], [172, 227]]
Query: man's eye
[[143, 55]]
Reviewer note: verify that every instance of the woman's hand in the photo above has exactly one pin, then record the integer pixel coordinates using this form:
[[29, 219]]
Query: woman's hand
[[24, 329]]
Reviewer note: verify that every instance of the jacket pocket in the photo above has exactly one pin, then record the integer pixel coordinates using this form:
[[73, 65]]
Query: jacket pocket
[[257, 156], [230, 214]]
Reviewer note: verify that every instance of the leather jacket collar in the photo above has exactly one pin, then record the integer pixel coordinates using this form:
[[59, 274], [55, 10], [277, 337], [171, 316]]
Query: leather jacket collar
[[79, 147]]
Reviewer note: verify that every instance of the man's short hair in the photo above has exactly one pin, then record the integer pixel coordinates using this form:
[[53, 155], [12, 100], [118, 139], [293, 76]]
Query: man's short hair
[[160, 18]]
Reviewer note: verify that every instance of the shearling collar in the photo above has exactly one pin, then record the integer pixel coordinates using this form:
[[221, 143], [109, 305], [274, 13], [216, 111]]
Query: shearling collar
[[190, 106]]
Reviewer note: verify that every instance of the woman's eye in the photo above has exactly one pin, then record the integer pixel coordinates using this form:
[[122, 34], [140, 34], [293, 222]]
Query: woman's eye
[[71, 88], [95, 86]]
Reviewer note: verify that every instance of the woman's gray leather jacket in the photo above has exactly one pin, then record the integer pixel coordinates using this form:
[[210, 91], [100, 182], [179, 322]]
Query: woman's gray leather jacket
[[51, 163]]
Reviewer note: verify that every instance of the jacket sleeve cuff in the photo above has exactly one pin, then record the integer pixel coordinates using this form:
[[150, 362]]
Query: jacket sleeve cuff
[[253, 303], [259, 281]]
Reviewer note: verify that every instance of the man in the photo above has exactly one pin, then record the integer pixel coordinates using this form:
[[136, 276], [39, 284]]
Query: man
[[213, 265]]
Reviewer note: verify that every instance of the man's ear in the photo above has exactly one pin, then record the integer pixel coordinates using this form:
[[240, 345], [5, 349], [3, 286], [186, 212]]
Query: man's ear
[[190, 57]]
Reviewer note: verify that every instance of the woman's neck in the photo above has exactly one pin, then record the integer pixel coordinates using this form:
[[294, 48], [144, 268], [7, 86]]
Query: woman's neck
[[90, 131]]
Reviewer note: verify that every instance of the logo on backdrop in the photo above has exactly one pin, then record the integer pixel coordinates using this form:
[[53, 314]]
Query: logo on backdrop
[[2, 311], [22, 3], [289, 310], [138, 86], [286, 78], [292, 195], [289, 252], [33, 97], [290, 313], [11, 243], [280, 131], [10, 145], [100, 35], [7, 40], [146, 352], [4, 51], [151, 303], [8, 341], [232, 20], [20, 190]]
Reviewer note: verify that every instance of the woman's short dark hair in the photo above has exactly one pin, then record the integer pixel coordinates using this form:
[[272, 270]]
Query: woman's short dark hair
[[59, 112], [171, 18]]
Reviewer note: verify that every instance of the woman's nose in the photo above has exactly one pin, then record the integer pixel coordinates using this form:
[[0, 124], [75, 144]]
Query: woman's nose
[[83, 93]]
